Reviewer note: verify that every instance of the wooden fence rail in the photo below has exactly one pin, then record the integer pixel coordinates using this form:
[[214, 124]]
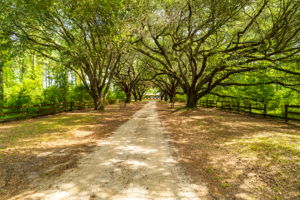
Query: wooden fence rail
[[290, 112], [293, 110], [8, 113]]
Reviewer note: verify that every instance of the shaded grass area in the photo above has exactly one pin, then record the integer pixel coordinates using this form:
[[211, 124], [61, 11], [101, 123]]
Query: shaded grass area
[[236, 156], [29, 132], [39, 149], [10, 116]]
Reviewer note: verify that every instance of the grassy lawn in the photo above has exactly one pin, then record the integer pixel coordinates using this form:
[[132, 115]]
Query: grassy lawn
[[236, 156]]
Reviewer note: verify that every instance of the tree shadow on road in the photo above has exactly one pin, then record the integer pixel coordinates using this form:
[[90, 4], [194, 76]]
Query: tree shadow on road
[[237, 155]]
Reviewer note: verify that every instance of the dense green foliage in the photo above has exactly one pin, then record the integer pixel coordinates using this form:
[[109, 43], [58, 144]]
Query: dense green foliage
[[32, 80], [210, 46], [62, 50]]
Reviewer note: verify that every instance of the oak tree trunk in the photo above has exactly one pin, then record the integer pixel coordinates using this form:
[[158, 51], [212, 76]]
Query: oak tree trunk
[[140, 97], [166, 98], [191, 100], [162, 97], [98, 103], [171, 99], [135, 97], [128, 98]]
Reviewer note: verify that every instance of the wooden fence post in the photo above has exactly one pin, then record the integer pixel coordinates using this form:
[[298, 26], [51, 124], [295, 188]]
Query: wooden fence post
[[23, 110], [265, 110], [1, 111], [39, 109], [286, 117], [71, 105], [66, 106], [53, 108]]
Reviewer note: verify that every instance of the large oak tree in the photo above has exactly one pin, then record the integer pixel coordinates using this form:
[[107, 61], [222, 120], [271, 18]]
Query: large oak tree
[[83, 35], [129, 75], [208, 44]]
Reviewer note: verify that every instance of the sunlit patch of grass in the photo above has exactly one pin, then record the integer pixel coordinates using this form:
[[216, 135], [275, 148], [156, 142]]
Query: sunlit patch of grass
[[26, 133], [277, 149], [209, 169], [238, 153], [276, 154], [225, 184]]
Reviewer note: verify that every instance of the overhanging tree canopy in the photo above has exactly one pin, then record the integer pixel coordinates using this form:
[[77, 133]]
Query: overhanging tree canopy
[[204, 46], [210, 44], [83, 35]]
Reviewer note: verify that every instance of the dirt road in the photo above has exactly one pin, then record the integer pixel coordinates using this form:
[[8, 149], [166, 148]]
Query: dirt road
[[134, 163]]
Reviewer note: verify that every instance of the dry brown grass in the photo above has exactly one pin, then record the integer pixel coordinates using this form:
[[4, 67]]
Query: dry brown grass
[[235, 155], [42, 148]]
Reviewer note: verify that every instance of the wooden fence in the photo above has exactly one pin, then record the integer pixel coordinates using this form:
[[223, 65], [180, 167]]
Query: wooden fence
[[290, 112], [9, 113]]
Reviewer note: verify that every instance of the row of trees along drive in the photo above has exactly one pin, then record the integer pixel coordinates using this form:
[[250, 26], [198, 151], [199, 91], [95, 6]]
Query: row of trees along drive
[[194, 47]]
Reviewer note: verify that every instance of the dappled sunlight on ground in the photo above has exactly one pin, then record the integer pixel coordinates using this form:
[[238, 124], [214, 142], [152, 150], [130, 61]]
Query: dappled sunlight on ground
[[236, 155], [35, 150], [133, 163]]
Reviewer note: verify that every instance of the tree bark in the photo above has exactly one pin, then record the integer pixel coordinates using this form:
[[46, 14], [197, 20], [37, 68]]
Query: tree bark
[[191, 100], [140, 97], [128, 98], [135, 96], [162, 97], [171, 99], [166, 98], [98, 102]]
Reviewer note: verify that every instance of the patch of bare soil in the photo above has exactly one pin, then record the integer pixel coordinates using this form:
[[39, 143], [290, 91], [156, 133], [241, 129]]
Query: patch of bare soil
[[135, 162], [237, 156], [42, 148]]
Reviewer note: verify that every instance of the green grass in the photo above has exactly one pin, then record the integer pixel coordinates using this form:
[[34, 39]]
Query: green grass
[[277, 149], [26, 133], [9, 116], [209, 169], [225, 184]]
